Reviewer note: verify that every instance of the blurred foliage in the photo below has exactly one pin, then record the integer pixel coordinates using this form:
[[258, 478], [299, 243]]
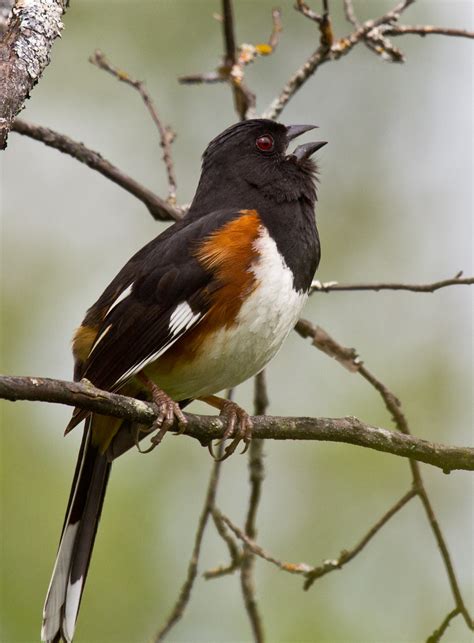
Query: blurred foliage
[[395, 203]]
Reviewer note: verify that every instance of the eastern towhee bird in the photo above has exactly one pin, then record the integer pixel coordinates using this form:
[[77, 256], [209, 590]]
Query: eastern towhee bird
[[201, 308]]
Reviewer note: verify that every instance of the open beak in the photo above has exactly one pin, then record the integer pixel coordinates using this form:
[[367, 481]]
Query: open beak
[[307, 149], [292, 131]]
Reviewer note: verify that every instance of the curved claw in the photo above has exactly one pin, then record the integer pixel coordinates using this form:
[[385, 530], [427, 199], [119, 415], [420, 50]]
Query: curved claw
[[238, 427], [168, 412]]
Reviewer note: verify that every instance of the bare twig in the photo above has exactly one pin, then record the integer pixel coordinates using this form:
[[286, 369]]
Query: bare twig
[[350, 13], [334, 286], [235, 59], [244, 99], [347, 555], [230, 47], [394, 407], [24, 54], [257, 474], [310, 573], [373, 33], [207, 510], [438, 633], [234, 550], [158, 208], [348, 430], [426, 30], [167, 135], [185, 593], [298, 568], [277, 28]]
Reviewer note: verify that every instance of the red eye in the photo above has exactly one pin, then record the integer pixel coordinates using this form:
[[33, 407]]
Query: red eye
[[264, 143]]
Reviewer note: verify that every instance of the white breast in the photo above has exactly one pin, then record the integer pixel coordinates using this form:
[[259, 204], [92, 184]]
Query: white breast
[[234, 354]]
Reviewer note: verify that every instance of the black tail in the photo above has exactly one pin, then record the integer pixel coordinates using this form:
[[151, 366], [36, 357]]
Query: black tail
[[77, 540]]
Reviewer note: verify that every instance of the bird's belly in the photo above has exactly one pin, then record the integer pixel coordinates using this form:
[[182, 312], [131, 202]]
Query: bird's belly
[[233, 353]]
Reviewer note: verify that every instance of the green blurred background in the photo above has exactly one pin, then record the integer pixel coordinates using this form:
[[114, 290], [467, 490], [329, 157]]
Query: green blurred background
[[395, 204]]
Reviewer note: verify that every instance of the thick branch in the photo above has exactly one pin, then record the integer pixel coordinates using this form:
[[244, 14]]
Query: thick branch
[[24, 54], [347, 430], [158, 208]]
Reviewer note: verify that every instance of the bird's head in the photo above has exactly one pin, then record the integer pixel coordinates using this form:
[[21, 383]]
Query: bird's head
[[255, 152]]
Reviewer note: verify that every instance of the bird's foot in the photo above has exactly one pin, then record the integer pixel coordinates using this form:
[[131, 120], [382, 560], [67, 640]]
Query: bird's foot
[[168, 412], [238, 426]]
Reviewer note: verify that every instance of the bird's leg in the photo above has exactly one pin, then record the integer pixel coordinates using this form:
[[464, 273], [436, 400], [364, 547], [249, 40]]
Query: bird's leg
[[168, 411], [238, 424]]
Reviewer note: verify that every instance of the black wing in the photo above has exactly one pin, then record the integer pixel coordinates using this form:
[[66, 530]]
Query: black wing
[[158, 296]]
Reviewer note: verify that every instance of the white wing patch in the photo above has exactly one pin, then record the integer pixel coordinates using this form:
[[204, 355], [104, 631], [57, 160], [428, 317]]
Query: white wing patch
[[182, 319], [123, 295], [100, 338]]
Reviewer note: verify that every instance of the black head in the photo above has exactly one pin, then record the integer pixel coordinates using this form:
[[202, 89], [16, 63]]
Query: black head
[[253, 155]]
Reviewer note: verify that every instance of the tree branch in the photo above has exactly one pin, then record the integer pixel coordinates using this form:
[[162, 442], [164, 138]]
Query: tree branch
[[426, 30], [235, 59], [207, 510], [256, 475], [24, 54], [185, 593], [347, 430], [373, 33], [159, 209], [438, 633], [323, 341], [333, 286], [310, 573], [167, 135]]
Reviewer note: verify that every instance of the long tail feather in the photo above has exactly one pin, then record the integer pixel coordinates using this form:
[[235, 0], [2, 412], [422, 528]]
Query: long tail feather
[[77, 540]]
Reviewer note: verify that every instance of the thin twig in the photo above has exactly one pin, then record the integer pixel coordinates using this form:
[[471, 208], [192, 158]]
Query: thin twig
[[167, 135], [234, 550], [347, 555], [438, 633], [159, 209], [348, 430], [426, 30], [277, 28], [185, 593], [350, 13], [207, 510], [236, 58], [230, 47], [334, 286], [257, 474], [373, 33], [310, 573], [298, 568], [393, 405], [244, 99]]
